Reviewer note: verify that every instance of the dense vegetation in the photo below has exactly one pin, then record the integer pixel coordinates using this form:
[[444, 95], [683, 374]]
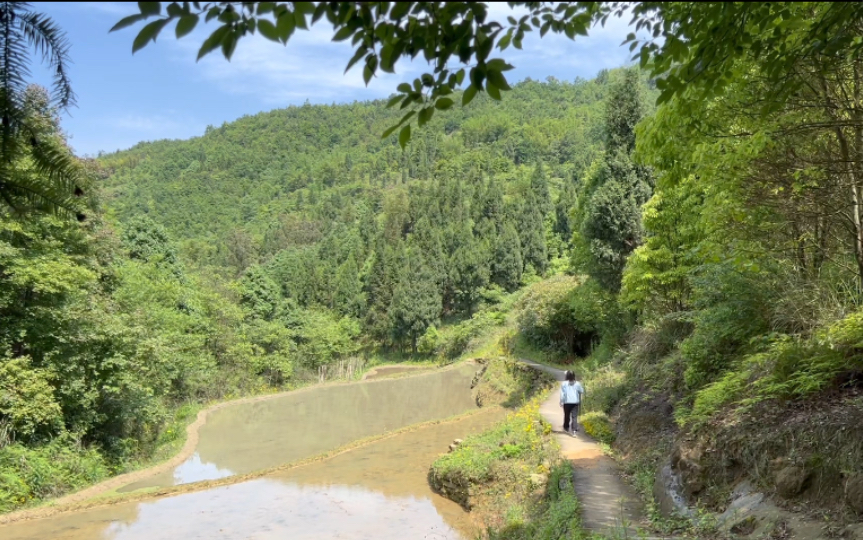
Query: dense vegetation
[[729, 313], [263, 253], [713, 246]]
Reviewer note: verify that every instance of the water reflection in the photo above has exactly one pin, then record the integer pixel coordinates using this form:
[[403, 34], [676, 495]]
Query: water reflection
[[375, 492], [254, 436]]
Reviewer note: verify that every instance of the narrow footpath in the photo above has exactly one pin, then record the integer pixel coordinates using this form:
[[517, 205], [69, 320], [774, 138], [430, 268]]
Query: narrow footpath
[[608, 505]]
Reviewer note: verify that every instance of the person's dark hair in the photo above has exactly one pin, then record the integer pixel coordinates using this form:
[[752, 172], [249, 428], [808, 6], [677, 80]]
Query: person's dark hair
[[570, 376]]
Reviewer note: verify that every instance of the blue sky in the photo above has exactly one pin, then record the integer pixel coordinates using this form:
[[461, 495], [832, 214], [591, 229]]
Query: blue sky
[[161, 92]]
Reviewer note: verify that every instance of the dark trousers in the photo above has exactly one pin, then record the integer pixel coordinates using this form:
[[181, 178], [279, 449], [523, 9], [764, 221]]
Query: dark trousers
[[570, 410]]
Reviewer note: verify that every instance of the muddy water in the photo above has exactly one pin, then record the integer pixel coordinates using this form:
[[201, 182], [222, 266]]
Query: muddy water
[[375, 492], [389, 371], [254, 436]]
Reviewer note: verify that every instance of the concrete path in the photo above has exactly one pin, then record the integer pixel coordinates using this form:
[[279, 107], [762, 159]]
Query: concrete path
[[608, 505]]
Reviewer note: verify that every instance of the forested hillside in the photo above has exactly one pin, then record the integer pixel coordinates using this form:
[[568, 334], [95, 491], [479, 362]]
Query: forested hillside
[[313, 210], [269, 252], [280, 179]]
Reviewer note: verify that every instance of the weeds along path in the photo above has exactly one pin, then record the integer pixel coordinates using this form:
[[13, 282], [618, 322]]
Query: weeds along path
[[608, 505]]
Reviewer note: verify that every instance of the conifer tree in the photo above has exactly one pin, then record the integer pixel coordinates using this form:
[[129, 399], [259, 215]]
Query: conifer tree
[[416, 303], [507, 263]]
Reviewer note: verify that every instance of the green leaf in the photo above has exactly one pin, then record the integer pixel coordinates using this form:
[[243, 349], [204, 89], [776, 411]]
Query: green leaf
[[389, 131], [496, 78], [468, 95], [127, 21], [187, 23], [344, 33], [425, 115], [229, 44], [212, 43], [400, 9], [406, 117], [150, 8], [367, 74], [393, 101], [443, 104], [319, 12], [286, 25], [305, 8], [404, 136], [213, 13], [497, 64], [504, 41], [265, 7], [147, 34], [356, 58], [268, 29], [300, 20], [404, 87], [492, 90], [174, 10]]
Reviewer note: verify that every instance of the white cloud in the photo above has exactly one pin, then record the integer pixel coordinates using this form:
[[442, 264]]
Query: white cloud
[[117, 9], [311, 66]]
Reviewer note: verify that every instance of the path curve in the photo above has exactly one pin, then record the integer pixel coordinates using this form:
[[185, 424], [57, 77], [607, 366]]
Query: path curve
[[609, 506]]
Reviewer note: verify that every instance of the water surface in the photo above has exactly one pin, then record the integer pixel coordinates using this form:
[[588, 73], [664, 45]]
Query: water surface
[[376, 492], [258, 435]]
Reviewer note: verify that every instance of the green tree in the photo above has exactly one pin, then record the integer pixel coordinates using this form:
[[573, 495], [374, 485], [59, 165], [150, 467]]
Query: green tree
[[416, 304], [146, 240], [539, 188], [349, 298], [259, 294], [609, 212], [531, 233], [29, 129], [507, 264]]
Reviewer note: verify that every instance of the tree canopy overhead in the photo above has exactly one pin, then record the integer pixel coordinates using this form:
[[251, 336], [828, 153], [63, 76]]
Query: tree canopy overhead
[[692, 47]]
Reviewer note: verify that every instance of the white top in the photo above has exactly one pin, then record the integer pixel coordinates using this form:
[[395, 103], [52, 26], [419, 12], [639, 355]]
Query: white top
[[571, 393]]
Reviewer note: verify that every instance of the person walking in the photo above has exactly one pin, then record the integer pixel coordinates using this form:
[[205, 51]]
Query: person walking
[[571, 392]]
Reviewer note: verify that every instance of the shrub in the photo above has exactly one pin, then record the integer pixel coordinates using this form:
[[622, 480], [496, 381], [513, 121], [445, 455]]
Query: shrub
[[28, 475], [428, 343], [596, 425], [565, 314]]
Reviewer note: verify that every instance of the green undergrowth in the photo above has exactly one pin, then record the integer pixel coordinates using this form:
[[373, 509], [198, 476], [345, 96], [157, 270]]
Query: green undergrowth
[[508, 382], [28, 475], [553, 516], [786, 368], [510, 477]]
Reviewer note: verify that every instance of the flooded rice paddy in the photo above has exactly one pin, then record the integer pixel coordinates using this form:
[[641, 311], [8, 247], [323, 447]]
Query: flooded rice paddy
[[376, 491]]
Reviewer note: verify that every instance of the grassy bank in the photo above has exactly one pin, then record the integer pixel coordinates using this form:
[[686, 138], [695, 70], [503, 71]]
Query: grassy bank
[[513, 479]]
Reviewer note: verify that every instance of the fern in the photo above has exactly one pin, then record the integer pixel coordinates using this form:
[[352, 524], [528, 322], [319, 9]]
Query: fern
[[38, 173]]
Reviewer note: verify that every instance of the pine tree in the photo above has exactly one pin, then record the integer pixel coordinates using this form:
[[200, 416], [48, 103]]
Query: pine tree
[[470, 274], [259, 294], [539, 188], [507, 264], [531, 233], [348, 298], [416, 303], [610, 217]]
